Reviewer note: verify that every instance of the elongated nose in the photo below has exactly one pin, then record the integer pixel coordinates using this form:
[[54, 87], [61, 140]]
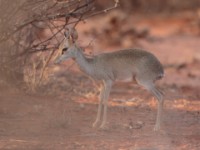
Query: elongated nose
[[57, 61]]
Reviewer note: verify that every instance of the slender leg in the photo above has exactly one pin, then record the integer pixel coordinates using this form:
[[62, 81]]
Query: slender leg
[[101, 98], [159, 96], [108, 85]]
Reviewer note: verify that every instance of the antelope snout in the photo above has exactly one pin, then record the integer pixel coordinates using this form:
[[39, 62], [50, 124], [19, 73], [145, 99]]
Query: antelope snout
[[57, 61]]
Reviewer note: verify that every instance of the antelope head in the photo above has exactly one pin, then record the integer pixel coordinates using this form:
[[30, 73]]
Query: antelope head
[[68, 48]]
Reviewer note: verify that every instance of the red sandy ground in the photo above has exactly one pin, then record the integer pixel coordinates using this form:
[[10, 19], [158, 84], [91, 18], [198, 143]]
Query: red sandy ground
[[63, 120]]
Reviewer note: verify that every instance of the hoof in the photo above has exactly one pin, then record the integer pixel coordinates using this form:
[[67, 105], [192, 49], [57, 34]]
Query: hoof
[[104, 126], [156, 128], [95, 124]]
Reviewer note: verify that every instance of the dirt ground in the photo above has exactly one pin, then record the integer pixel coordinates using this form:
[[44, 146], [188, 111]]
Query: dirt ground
[[61, 118]]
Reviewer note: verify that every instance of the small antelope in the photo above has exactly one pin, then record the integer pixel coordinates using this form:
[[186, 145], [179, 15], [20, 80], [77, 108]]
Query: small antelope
[[138, 64]]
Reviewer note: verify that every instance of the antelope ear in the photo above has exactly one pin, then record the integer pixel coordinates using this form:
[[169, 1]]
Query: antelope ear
[[67, 33], [74, 34], [70, 40]]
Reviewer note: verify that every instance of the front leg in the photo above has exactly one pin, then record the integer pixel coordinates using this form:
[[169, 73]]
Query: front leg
[[99, 112], [108, 85]]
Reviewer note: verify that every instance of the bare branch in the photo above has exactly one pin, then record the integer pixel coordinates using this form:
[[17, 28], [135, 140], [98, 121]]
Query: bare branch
[[37, 26]]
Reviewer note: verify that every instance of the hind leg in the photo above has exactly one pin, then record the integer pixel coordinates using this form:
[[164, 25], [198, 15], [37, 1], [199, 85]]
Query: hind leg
[[159, 97], [149, 85]]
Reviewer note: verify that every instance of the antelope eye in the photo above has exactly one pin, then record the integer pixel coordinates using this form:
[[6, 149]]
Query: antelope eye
[[63, 50]]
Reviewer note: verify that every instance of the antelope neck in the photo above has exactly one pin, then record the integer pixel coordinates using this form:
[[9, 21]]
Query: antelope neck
[[85, 64]]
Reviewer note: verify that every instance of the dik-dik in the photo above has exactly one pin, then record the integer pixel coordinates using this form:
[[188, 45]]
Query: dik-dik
[[138, 64]]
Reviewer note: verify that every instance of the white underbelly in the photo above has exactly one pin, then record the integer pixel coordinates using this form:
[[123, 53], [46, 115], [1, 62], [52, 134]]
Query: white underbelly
[[124, 76]]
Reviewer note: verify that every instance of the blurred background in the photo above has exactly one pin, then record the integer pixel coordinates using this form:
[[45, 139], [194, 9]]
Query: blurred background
[[43, 104]]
